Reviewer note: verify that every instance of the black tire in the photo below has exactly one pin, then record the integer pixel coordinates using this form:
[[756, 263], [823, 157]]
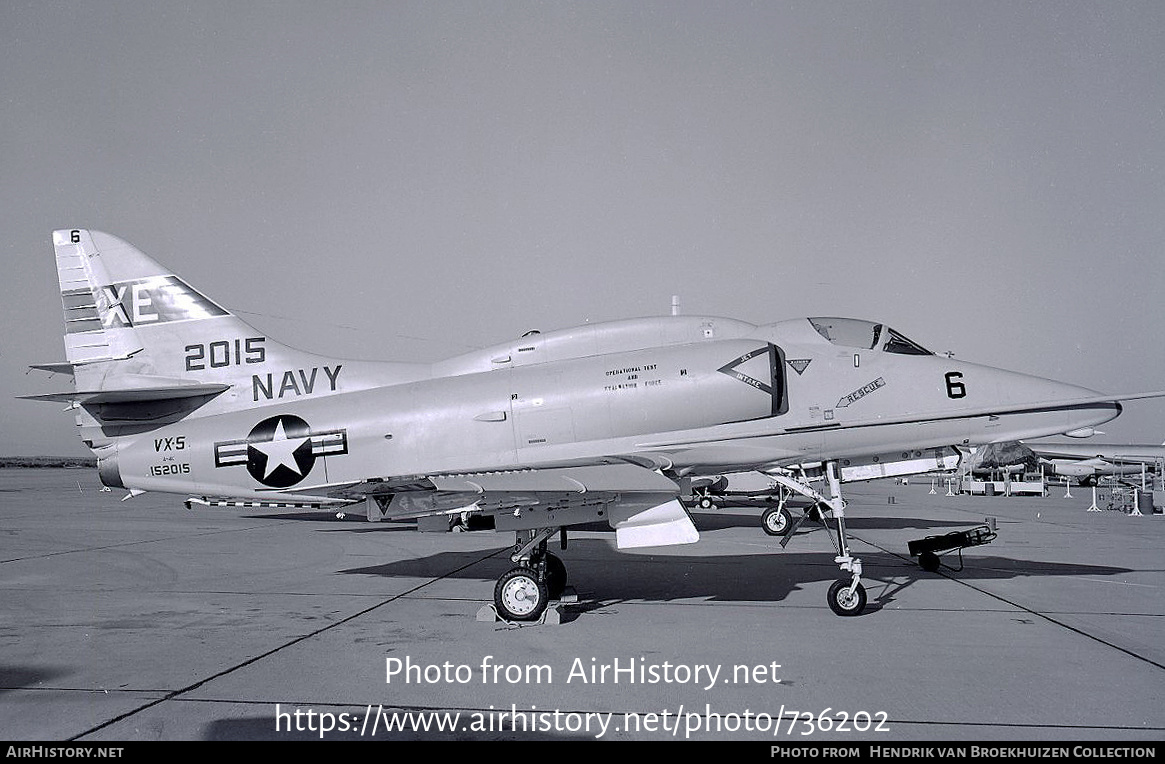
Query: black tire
[[555, 576], [520, 596], [928, 561], [843, 603], [706, 502], [776, 521]]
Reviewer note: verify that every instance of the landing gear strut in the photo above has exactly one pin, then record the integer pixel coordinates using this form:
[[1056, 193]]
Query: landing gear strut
[[846, 596], [523, 592]]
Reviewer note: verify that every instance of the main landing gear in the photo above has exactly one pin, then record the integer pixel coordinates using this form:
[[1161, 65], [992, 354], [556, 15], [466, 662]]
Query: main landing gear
[[776, 521], [523, 592], [846, 596]]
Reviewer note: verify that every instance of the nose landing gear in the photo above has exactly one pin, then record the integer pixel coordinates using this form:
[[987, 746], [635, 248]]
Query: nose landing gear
[[846, 596]]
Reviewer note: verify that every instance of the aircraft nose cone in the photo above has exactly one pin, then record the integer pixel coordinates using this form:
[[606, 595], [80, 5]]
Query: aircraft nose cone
[[1058, 407]]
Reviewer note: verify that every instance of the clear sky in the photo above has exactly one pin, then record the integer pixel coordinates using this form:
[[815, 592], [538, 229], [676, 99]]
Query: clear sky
[[408, 181]]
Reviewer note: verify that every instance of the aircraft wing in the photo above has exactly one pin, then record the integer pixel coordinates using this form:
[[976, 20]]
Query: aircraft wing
[[640, 504]]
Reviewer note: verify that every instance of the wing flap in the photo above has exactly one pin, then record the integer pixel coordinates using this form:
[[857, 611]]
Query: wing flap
[[618, 477], [586, 479]]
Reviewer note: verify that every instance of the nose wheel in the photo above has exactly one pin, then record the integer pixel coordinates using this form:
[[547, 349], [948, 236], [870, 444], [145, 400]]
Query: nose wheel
[[847, 597]]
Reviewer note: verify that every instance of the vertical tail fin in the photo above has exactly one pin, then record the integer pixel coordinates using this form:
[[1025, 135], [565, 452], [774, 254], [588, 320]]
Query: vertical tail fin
[[122, 316], [109, 290], [147, 350], [135, 333]]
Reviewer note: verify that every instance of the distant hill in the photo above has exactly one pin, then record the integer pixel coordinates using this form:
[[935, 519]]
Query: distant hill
[[9, 462]]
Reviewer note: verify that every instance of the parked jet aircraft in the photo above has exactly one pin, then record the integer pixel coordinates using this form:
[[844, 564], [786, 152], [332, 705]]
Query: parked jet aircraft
[[605, 421], [1087, 462]]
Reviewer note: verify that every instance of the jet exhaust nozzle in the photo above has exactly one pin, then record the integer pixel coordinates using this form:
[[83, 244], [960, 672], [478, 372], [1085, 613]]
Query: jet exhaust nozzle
[[108, 470]]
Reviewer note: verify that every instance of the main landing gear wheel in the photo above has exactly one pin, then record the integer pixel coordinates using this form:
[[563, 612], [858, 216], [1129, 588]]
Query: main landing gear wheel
[[844, 602], [929, 562], [776, 521], [555, 576], [520, 596], [706, 502]]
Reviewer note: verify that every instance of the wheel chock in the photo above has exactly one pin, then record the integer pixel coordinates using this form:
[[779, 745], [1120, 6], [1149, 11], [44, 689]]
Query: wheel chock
[[551, 616]]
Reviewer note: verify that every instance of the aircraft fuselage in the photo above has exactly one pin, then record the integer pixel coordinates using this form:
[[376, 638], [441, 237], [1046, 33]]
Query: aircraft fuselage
[[721, 395]]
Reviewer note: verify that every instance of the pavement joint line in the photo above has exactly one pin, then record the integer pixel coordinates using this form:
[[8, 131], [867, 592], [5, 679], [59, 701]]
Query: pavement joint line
[[1017, 725], [302, 638], [89, 690], [471, 709], [1029, 610]]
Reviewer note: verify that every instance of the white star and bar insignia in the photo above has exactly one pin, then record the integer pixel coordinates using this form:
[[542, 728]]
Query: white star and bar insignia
[[281, 450]]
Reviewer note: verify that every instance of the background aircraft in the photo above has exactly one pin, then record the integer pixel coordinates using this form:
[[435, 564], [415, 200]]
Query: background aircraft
[[607, 421], [1087, 462]]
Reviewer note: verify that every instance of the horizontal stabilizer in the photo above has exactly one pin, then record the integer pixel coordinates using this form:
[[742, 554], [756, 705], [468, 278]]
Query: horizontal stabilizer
[[55, 368], [131, 394]]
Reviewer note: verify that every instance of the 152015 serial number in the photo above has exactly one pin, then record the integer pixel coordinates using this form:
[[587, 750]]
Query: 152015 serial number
[[158, 470]]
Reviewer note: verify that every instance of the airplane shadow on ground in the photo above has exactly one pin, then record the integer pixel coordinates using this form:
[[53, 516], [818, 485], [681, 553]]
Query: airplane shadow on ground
[[598, 570], [711, 521], [704, 521], [354, 523], [19, 677]]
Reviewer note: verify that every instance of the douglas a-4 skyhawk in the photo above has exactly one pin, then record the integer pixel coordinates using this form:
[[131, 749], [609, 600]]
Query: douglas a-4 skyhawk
[[607, 421]]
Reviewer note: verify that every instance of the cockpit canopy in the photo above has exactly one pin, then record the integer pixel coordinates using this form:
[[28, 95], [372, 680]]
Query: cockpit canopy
[[866, 335]]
